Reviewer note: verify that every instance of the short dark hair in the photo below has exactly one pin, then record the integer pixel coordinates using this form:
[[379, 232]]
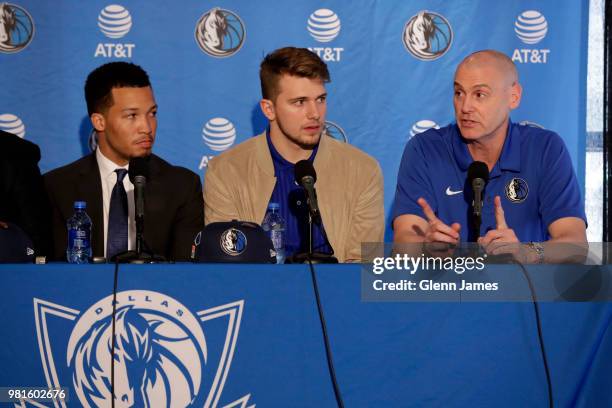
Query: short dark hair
[[101, 81], [300, 62]]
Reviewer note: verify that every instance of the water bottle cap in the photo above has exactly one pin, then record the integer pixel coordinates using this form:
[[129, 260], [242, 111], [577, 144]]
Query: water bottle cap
[[80, 205], [273, 206]]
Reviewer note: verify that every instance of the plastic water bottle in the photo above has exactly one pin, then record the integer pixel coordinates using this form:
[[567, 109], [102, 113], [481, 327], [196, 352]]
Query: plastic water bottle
[[79, 235], [275, 226]]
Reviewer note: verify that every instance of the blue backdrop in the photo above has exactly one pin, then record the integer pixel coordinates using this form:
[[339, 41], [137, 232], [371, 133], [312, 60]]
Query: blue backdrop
[[391, 62]]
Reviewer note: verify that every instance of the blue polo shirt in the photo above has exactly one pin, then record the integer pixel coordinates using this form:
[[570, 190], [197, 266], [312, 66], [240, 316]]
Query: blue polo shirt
[[294, 207], [534, 178]]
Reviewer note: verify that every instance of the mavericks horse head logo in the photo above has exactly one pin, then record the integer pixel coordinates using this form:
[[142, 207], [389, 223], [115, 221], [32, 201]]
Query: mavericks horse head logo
[[220, 33], [427, 35], [517, 190], [159, 353], [16, 28], [233, 242]]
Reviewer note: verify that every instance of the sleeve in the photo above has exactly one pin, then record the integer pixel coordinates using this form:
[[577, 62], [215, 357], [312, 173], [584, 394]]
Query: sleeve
[[57, 245], [368, 221], [218, 202], [31, 203], [559, 191], [413, 181], [189, 220]]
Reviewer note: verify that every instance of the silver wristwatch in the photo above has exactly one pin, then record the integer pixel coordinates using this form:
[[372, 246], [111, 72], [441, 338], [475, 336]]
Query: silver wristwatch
[[538, 248]]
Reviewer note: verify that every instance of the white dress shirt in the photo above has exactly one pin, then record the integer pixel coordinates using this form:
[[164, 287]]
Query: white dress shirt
[[109, 179]]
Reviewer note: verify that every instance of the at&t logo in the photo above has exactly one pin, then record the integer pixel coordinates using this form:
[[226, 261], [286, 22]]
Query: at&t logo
[[422, 126], [114, 22], [219, 134], [531, 27], [16, 28], [324, 26], [12, 124], [220, 33], [427, 35]]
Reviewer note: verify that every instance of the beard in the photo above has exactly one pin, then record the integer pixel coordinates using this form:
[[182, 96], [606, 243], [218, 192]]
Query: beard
[[305, 142]]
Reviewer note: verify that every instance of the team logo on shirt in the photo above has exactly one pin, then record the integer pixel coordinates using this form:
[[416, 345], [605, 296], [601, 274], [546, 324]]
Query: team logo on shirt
[[233, 242], [517, 190]]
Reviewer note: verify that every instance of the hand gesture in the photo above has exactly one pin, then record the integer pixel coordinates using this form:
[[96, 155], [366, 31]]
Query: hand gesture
[[501, 240], [438, 231]]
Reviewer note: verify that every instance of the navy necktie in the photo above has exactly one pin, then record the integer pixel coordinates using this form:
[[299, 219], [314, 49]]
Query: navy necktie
[[117, 238]]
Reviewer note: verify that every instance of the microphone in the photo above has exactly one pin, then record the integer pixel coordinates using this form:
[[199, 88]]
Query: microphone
[[478, 176], [306, 177], [139, 173]]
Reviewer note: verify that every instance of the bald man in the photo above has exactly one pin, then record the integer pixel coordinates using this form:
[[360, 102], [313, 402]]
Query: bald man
[[532, 194]]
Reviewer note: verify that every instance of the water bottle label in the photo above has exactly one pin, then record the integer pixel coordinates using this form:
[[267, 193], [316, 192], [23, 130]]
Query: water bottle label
[[277, 238], [78, 239]]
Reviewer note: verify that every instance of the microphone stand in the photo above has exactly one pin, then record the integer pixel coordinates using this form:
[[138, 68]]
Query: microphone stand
[[476, 223], [142, 254], [478, 185], [311, 256]]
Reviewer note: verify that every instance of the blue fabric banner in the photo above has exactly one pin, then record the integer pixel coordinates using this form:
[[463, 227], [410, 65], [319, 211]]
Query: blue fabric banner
[[391, 62], [247, 335]]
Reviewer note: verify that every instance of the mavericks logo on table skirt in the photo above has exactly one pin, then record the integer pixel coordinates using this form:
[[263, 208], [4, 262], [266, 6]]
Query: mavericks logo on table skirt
[[162, 355]]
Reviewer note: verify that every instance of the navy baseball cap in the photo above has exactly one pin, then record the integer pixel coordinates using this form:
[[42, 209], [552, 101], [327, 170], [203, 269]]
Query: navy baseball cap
[[235, 241], [15, 245]]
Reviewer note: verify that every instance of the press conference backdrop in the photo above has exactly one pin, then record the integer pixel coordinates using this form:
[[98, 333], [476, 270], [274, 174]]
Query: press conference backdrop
[[391, 63]]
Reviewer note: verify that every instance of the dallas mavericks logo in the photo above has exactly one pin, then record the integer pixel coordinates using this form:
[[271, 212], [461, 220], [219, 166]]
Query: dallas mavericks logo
[[220, 33], [531, 27], [12, 124], [427, 35], [517, 190], [233, 242], [16, 28], [334, 130], [161, 354]]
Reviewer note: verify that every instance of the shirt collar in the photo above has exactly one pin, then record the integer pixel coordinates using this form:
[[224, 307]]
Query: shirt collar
[[510, 158], [106, 165], [278, 160]]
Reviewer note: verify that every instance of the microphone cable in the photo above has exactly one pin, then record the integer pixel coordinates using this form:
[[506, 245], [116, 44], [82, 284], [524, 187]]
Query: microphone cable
[[536, 309], [112, 381], [328, 353]]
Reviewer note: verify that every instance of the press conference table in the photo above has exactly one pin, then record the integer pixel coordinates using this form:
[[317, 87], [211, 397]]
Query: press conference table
[[250, 334]]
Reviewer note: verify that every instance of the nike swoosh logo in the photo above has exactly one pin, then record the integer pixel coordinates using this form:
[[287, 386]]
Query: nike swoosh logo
[[450, 192]]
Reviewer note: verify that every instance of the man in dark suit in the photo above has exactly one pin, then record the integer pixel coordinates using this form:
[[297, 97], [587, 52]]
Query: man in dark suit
[[22, 194], [122, 110]]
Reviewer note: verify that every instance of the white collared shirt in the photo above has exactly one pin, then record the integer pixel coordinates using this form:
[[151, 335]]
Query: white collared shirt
[[109, 179]]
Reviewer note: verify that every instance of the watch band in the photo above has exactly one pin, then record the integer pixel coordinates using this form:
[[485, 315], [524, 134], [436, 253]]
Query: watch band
[[538, 248]]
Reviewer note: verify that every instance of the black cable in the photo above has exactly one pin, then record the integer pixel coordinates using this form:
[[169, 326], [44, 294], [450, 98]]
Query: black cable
[[328, 353], [607, 127], [540, 337], [112, 382]]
